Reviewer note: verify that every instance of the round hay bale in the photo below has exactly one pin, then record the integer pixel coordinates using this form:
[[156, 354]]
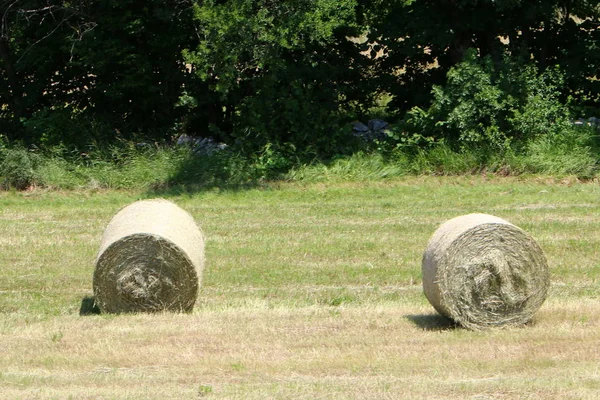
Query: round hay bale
[[151, 259], [482, 271]]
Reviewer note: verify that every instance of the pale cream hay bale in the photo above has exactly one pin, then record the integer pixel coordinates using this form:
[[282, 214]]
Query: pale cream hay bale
[[482, 271], [151, 259]]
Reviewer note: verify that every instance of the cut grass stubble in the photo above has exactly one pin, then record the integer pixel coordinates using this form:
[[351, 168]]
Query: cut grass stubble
[[309, 291]]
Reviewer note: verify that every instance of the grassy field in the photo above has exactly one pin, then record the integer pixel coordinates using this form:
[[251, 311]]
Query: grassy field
[[310, 291]]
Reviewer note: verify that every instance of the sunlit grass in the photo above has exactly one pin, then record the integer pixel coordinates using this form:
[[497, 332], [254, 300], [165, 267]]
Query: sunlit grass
[[310, 290]]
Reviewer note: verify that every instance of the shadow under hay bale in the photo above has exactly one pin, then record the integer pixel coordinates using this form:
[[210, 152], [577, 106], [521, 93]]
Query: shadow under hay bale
[[482, 272], [88, 306], [151, 259], [432, 322]]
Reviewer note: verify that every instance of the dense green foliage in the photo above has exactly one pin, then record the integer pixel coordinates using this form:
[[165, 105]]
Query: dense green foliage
[[280, 82], [255, 72], [422, 40], [281, 72], [78, 72], [486, 104]]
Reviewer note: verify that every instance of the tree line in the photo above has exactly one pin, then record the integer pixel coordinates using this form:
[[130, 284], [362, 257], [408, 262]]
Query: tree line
[[254, 72]]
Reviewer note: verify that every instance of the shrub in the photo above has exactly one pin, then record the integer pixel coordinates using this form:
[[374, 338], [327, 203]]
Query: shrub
[[471, 108], [492, 106], [18, 168], [539, 110], [273, 160]]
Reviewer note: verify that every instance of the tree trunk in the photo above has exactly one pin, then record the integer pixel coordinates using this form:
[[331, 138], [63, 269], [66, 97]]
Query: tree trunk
[[459, 46]]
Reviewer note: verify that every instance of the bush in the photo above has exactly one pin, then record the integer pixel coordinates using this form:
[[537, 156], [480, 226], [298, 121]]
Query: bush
[[18, 168], [539, 110], [303, 111], [471, 108], [490, 106]]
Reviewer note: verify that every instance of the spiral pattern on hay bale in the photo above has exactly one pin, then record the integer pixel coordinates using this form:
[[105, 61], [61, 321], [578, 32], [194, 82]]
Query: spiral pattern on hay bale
[[151, 259], [482, 272]]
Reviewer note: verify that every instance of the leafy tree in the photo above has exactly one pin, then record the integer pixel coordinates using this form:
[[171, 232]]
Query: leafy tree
[[133, 57], [91, 70], [282, 70], [34, 47], [422, 39], [255, 72]]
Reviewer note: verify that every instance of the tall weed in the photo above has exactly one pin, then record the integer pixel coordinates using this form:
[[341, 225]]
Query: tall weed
[[360, 166], [159, 167], [569, 152]]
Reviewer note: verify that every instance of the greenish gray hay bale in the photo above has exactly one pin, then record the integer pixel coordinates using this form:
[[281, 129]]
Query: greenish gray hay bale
[[482, 271], [151, 259]]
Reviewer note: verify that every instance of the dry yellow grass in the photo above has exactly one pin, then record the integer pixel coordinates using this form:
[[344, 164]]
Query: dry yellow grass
[[384, 351]]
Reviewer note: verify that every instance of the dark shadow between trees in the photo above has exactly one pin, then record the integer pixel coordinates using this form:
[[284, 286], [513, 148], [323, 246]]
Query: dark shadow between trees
[[432, 322]]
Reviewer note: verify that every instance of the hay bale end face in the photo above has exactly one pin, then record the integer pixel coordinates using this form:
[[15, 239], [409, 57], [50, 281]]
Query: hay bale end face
[[482, 272], [151, 259]]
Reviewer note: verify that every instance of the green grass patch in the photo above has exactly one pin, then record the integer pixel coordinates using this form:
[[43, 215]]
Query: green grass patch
[[310, 290], [298, 244], [154, 167]]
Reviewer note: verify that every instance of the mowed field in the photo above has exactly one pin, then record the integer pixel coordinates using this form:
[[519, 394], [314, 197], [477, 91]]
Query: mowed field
[[310, 292]]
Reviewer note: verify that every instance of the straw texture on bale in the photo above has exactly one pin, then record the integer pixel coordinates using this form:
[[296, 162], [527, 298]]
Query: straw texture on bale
[[482, 272], [151, 259]]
